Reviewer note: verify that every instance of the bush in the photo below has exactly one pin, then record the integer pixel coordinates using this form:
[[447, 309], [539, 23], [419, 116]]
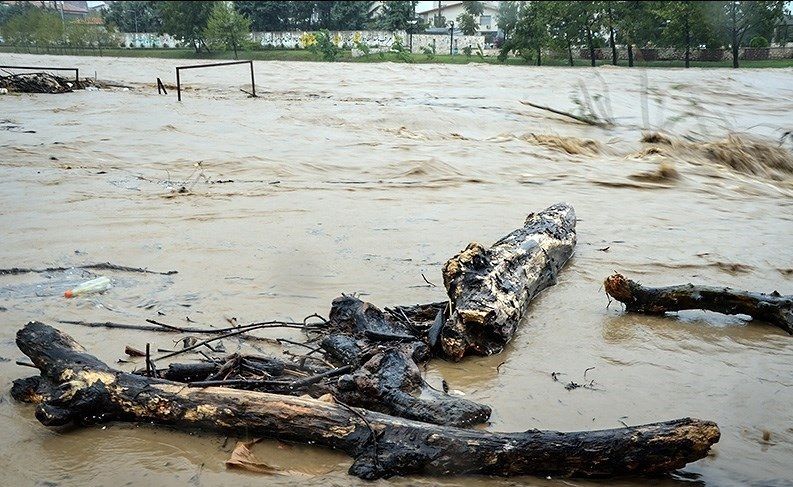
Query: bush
[[325, 46], [467, 51], [758, 42], [429, 51], [401, 51]]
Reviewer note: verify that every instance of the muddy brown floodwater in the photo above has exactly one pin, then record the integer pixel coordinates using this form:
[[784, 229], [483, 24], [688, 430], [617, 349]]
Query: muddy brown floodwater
[[361, 177]]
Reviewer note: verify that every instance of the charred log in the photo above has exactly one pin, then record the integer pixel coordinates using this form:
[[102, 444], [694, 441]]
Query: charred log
[[490, 288], [89, 391], [386, 353], [772, 308]]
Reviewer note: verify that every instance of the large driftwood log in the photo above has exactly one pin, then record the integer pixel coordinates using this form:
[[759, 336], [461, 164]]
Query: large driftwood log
[[772, 308], [490, 288], [75, 387]]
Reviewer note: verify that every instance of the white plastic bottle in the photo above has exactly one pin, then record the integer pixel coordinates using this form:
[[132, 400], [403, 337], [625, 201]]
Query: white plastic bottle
[[89, 287]]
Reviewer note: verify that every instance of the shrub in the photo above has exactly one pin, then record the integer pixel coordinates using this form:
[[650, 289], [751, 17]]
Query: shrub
[[429, 51], [758, 42], [401, 51], [325, 46]]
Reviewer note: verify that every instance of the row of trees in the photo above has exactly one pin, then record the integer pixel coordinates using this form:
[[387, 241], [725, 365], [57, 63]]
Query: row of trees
[[26, 26], [190, 19], [531, 27]]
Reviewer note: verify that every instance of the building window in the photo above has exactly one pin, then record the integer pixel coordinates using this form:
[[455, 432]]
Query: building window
[[485, 21]]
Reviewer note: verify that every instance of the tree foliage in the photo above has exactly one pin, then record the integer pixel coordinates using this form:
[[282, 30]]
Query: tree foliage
[[396, 15], [227, 28], [44, 29], [507, 17], [186, 20], [468, 20], [134, 16], [531, 27]]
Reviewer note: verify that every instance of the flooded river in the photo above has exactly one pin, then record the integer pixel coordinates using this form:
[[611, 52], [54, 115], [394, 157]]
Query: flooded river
[[361, 177]]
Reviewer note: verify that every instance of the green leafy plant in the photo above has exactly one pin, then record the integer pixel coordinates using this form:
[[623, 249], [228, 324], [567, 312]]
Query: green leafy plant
[[467, 51], [429, 51], [401, 51], [325, 46], [479, 52]]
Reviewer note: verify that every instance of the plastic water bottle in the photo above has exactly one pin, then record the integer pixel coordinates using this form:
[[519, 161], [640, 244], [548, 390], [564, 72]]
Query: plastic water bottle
[[89, 287]]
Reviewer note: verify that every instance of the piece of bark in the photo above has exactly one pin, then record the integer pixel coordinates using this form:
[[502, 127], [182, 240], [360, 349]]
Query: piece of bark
[[490, 288], [382, 445], [772, 308]]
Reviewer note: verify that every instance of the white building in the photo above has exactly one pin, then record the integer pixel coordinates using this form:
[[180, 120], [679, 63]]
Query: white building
[[487, 22]]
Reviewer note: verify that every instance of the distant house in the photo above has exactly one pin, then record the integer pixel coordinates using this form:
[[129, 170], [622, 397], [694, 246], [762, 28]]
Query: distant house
[[487, 22], [69, 10]]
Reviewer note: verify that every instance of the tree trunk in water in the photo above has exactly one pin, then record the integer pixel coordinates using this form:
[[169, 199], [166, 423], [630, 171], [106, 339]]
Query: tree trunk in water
[[570, 52], [76, 387], [688, 43], [734, 32], [591, 45], [539, 56], [613, 47], [490, 289], [772, 308], [630, 55], [735, 54]]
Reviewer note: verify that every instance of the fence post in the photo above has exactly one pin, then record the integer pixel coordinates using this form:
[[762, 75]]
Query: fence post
[[253, 83], [178, 86]]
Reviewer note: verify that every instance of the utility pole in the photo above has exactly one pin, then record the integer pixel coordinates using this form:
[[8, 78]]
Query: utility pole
[[451, 38]]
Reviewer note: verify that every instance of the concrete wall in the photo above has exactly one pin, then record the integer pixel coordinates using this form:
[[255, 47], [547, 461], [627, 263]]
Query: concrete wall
[[375, 39], [147, 40]]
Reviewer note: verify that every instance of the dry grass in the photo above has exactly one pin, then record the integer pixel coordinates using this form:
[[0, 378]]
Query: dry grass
[[752, 156], [570, 145]]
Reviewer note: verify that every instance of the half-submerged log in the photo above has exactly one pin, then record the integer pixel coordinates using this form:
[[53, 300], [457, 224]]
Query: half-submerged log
[[84, 390], [490, 288], [385, 353], [772, 308]]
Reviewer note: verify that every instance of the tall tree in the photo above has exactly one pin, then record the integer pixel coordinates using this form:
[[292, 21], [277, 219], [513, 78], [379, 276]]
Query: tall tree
[[187, 20], [227, 28], [265, 16], [591, 15], [685, 23], [531, 32], [468, 20], [396, 15], [350, 15], [133, 16], [567, 26], [507, 17], [613, 11], [743, 17], [638, 23]]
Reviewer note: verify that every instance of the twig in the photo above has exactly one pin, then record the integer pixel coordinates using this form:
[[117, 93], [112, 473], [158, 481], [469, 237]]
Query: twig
[[237, 331], [427, 280], [148, 361], [580, 118], [162, 327], [291, 385], [101, 266]]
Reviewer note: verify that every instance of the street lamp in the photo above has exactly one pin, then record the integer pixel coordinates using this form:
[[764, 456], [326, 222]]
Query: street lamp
[[412, 23], [451, 38]]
